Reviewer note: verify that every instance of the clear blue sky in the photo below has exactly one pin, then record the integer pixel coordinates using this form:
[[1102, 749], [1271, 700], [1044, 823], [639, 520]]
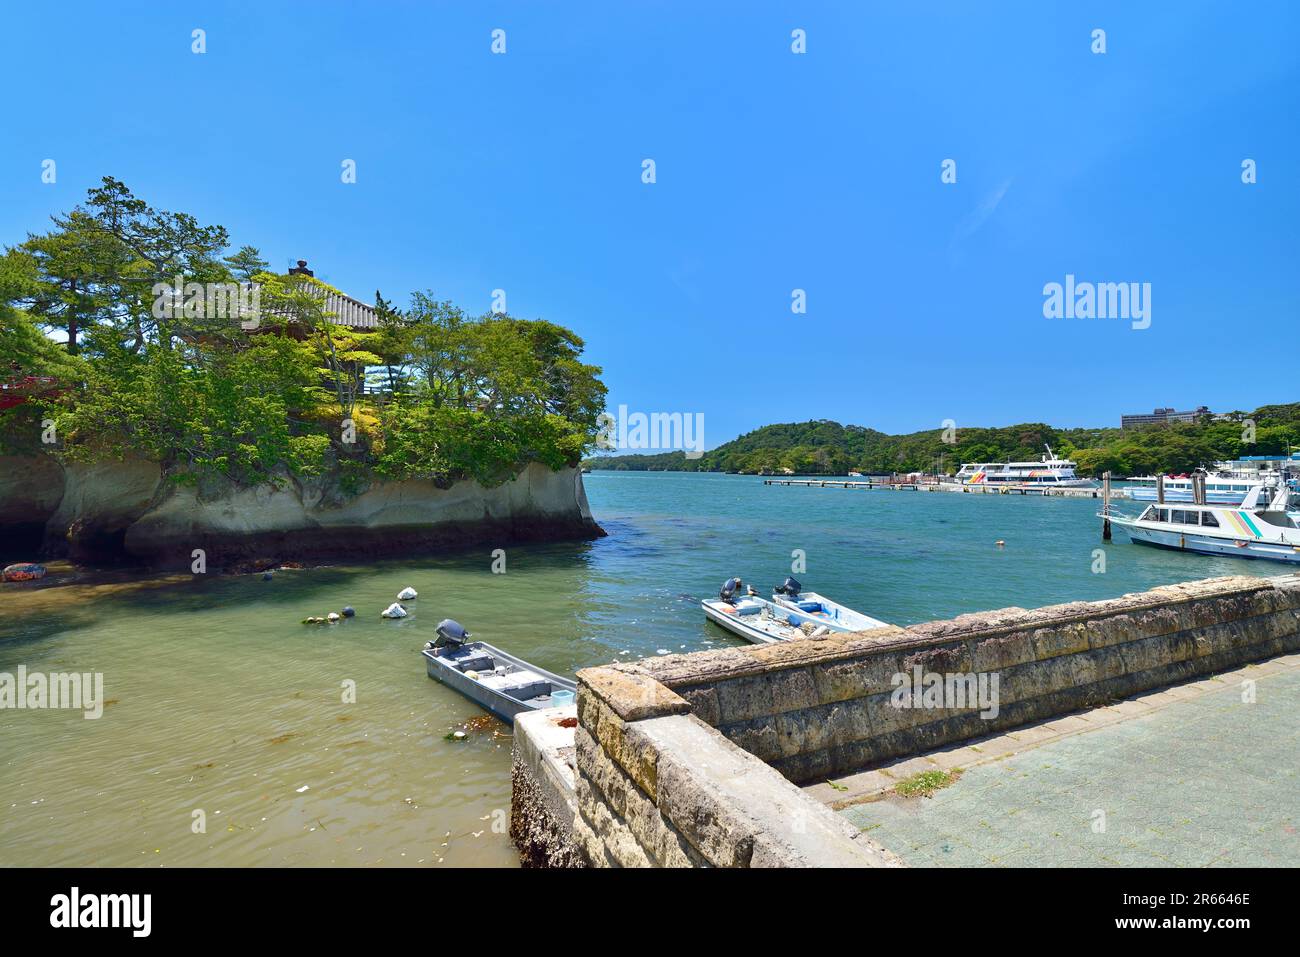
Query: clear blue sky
[[775, 171]]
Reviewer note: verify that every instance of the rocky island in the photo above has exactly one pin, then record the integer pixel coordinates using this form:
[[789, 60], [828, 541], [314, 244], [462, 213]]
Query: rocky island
[[199, 402]]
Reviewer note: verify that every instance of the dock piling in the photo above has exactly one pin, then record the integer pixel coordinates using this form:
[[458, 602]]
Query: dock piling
[[1105, 508]]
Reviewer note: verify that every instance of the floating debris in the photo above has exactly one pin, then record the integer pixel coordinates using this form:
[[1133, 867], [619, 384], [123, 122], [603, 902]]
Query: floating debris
[[23, 572], [482, 723], [305, 787]]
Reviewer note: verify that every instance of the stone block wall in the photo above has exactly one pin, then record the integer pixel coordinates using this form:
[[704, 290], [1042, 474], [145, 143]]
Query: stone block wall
[[658, 787], [677, 757]]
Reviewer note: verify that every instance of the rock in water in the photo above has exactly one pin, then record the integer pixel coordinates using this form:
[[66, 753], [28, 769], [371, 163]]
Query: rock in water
[[23, 572], [407, 593], [394, 611]]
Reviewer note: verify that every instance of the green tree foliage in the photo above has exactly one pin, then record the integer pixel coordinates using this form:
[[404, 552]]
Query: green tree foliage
[[246, 263], [150, 371]]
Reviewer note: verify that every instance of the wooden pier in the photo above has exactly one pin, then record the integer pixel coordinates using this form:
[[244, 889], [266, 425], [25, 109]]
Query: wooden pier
[[949, 487]]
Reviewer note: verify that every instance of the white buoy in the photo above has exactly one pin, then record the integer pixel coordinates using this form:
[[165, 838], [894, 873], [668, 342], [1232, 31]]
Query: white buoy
[[407, 593], [333, 617], [394, 611]]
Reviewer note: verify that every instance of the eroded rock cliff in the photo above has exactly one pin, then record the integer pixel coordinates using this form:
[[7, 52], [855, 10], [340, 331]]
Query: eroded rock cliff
[[129, 512]]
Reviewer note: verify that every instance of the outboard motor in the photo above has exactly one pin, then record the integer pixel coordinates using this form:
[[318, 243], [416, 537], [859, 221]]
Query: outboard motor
[[790, 587], [730, 590], [451, 634]]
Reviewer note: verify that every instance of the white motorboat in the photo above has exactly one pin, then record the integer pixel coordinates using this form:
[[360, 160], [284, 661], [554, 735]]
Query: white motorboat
[[760, 621], [1250, 530], [791, 595]]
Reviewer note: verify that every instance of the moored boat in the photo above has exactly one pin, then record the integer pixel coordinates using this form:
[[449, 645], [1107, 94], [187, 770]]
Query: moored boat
[[500, 682], [760, 621], [790, 594], [1226, 484], [1048, 472], [1250, 530]]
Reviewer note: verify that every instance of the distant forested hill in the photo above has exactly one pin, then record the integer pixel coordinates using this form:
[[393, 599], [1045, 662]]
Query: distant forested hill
[[823, 447]]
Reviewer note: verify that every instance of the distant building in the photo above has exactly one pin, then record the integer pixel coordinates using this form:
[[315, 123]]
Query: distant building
[[1161, 416]]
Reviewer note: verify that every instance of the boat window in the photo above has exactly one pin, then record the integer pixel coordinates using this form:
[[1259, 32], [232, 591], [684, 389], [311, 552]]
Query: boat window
[[1179, 517], [1207, 518], [1150, 515], [1164, 515]]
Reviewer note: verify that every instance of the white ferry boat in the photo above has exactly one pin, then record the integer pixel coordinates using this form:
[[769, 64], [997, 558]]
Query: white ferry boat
[[1226, 483], [1250, 530], [1048, 472], [1219, 489]]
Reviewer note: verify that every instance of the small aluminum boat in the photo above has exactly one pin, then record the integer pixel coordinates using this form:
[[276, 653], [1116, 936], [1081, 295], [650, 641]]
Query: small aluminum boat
[[500, 682], [758, 620], [791, 595]]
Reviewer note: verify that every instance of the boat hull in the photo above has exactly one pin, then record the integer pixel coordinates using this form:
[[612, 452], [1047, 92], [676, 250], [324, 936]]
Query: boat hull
[[1209, 545], [502, 705]]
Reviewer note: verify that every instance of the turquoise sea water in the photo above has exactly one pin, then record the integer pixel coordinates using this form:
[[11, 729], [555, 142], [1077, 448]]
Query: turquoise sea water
[[223, 703]]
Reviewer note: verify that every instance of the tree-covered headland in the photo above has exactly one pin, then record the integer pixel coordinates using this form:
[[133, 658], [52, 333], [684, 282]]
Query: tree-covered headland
[[260, 381], [828, 448]]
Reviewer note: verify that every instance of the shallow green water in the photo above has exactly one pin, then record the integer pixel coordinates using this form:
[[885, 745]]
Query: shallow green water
[[223, 702]]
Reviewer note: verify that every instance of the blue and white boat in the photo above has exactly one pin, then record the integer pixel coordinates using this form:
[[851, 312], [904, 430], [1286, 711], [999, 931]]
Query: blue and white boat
[[1249, 530], [760, 621], [1226, 483], [1219, 489], [791, 595]]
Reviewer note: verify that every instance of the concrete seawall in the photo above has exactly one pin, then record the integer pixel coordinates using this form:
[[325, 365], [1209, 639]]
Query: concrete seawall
[[693, 760]]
